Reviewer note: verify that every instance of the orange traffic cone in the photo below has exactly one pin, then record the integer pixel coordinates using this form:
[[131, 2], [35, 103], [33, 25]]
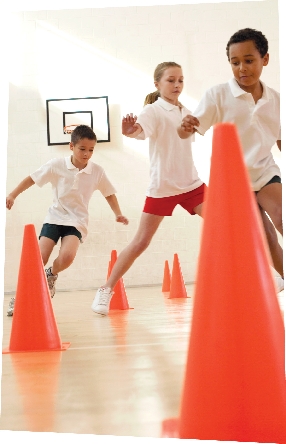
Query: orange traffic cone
[[166, 278], [177, 287], [234, 387], [119, 299], [33, 327]]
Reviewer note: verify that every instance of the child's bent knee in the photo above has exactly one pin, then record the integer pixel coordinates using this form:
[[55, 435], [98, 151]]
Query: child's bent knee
[[67, 259], [141, 246]]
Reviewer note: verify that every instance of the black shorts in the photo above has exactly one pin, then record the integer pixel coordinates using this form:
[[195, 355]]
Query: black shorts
[[54, 232], [275, 179]]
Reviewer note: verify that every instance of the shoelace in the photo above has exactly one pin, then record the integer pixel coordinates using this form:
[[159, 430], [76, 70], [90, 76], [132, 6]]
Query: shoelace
[[50, 275], [103, 298]]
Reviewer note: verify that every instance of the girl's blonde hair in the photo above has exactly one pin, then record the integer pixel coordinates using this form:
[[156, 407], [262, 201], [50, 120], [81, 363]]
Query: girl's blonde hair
[[159, 71]]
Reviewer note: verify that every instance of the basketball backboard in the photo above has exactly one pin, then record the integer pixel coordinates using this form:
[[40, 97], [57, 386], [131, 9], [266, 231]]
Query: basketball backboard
[[91, 111]]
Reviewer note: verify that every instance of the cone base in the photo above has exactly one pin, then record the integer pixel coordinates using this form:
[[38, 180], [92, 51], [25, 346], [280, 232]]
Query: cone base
[[182, 297], [121, 309], [64, 346], [170, 428], [165, 290]]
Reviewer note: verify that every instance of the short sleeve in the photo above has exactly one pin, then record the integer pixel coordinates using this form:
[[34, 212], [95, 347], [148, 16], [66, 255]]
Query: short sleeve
[[206, 113], [43, 174], [105, 186], [141, 136], [147, 120]]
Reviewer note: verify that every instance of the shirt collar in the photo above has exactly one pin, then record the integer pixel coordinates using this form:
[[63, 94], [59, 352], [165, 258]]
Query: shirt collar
[[70, 165], [235, 88], [166, 105], [237, 91]]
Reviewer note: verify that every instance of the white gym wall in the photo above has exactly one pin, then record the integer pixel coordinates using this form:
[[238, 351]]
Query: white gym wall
[[113, 51]]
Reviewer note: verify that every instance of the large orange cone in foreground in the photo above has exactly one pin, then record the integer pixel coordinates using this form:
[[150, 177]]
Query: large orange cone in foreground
[[234, 385], [33, 326], [177, 286], [119, 299]]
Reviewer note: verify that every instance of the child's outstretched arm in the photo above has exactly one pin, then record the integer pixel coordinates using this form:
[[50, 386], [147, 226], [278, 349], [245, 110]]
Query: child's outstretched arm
[[114, 205], [129, 126], [24, 185], [187, 127]]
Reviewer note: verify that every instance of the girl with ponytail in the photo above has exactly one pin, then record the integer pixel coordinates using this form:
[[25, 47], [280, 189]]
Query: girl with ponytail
[[174, 178]]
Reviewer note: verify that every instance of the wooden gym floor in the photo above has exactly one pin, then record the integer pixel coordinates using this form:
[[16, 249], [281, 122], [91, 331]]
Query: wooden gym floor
[[122, 374]]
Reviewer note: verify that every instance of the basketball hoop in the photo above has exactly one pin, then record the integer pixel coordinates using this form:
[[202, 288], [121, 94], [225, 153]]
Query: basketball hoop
[[69, 128]]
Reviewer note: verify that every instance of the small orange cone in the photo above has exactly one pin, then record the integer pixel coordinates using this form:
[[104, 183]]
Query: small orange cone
[[166, 279], [234, 386], [119, 299], [177, 287], [33, 326]]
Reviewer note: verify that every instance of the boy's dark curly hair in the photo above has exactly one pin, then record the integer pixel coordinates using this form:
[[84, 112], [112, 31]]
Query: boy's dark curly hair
[[82, 132], [243, 35]]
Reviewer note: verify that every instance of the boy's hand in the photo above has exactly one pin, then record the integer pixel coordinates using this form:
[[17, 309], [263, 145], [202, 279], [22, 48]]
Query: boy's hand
[[188, 123], [129, 125], [122, 219], [9, 201]]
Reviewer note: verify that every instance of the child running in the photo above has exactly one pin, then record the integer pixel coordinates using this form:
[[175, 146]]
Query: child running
[[74, 179], [174, 178], [255, 110]]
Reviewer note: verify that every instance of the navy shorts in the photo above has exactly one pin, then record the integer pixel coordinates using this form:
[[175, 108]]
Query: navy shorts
[[275, 179], [55, 232]]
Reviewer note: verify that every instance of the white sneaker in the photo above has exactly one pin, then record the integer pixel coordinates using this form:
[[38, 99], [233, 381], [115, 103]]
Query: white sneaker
[[10, 310], [101, 301], [279, 283], [51, 278]]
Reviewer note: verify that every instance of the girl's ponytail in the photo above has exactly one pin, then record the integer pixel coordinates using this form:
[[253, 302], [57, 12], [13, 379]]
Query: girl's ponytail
[[151, 98]]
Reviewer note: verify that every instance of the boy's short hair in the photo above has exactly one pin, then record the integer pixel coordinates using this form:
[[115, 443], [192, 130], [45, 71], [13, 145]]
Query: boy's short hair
[[243, 35], [82, 132]]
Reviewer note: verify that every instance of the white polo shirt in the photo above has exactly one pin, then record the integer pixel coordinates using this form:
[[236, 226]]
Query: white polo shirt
[[258, 125], [172, 170], [72, 190]]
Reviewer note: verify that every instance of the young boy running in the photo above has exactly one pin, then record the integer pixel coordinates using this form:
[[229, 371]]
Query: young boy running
[[255, 109], [74, 179]]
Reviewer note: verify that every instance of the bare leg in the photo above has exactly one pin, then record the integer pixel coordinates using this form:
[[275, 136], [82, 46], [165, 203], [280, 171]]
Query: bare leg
[[67, 253], [270, 200], [46, 247], [199, 209], [274, 246], [148, 226]]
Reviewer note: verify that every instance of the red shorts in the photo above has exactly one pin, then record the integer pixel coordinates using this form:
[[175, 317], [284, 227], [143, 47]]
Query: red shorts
[[164, 206]]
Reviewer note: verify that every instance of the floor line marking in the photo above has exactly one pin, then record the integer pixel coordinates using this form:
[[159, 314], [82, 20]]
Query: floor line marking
[[116, 345]]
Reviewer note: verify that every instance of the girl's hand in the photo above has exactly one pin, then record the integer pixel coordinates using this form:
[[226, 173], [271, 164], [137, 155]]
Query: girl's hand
[[129, 125], [9, 201], [188, 123], [122, 219]]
